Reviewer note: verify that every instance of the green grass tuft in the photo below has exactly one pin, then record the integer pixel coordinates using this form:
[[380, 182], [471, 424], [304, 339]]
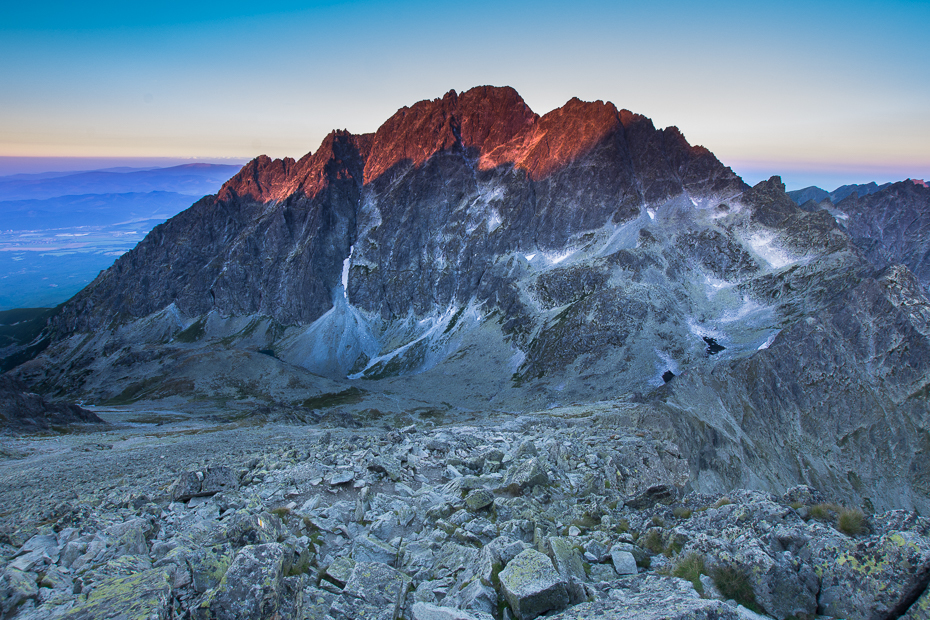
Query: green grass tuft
[[691, 567], [851, 522], [733, 583]]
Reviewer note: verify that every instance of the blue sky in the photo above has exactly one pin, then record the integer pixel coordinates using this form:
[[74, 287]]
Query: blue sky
[[821, 92]]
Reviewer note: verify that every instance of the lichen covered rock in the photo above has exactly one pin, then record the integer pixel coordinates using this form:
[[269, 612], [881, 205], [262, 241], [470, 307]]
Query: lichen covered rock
[[532, 586]]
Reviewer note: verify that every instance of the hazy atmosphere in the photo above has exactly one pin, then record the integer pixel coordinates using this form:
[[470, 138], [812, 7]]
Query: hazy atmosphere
[[824, 93]]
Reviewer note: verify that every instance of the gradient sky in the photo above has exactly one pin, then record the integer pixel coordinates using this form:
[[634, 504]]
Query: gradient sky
[[820, 92]]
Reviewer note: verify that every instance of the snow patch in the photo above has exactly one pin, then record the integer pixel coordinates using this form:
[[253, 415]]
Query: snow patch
[[748, 307], [702, 331], [763, 243], [516, 360], [554, 258], [715, 285], [345, 274], [768, 341], [494, 221]]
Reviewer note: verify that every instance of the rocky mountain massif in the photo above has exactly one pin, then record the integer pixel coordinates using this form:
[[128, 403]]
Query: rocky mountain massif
[[473, 260], [472, 255]]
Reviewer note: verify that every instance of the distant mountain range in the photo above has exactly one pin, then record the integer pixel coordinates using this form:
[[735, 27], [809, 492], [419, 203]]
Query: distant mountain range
[[817, 195], [473, 255], [190, 179]]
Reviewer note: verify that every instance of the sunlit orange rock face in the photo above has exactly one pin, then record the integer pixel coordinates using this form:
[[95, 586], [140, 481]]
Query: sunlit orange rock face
[[264, 179], [483, 118], [556, 139], [491, 124]]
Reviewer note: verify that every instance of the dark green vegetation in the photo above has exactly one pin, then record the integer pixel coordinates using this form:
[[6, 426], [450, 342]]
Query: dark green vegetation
[[20, 332]]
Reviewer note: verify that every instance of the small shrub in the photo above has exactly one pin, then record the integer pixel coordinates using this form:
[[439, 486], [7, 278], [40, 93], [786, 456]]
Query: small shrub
[[796, 505], [691, 567], [734, 584], [673, 548], [723, 501], [623, 526], [681, 512], [824, 512], [851, 522], [653, 542], [657, 521], [281, 512]]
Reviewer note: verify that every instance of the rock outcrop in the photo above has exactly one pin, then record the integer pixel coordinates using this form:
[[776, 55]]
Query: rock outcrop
[[21, 411]]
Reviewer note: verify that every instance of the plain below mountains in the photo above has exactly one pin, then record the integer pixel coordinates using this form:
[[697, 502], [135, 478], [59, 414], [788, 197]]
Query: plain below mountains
[[59, 230]]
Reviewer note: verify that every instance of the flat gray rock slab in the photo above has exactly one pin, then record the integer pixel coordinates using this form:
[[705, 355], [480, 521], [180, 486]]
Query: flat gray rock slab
[[533, 586], [652, 598], [143, 596], [428, 611]]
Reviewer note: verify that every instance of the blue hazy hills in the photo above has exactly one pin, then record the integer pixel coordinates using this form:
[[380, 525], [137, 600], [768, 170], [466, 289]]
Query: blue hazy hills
[[58, 230]]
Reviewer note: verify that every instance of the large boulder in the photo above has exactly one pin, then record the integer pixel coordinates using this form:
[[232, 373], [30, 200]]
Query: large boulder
[[21, 411], [532, 586], [872, 578], [527, 474], [251, 588]]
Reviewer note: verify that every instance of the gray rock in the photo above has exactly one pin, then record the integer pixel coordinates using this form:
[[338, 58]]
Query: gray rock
[[251, 587], [532, 586], [72, 551], [208, 565], [624, 562], [340, 570], [568, 562], [428, 611], [388, 467], [374, 590], [920, 610], [367, 549], [243, 528], [652, 598], [601, 572], [340, 477], [218, 479], [16, 587], [478, 499], [187, 486], [869, 579], [658, 494], [527, 474], [596, 551], [804, 495]]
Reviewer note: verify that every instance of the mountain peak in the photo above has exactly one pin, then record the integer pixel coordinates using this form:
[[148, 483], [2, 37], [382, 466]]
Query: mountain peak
[[481, 118]]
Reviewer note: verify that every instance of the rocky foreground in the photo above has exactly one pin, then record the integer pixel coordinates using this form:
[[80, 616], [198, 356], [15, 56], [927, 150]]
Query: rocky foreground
[[571, 513]]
